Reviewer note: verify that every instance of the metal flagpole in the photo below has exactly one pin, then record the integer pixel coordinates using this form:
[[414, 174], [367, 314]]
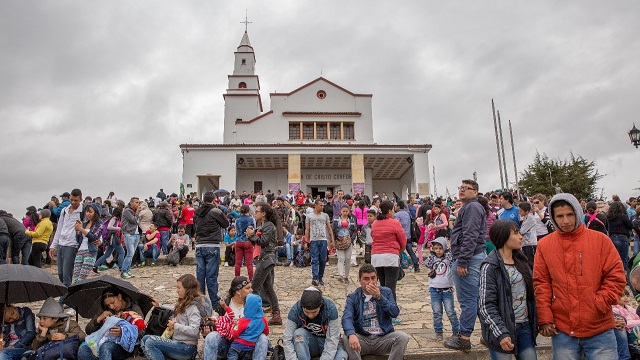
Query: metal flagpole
[[504, 159], [495, 130], [513, 152], [435, 187]]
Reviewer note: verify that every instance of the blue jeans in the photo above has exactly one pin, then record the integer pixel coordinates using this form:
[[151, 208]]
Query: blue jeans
[[119, 250], [156, 348], [601, 347], [12, 354], [307, 345], [21, 244], [412, 255], [286, 250], [621, 242], [318, 252], [444, 297], [467, 291], [107, 351], [524, 345], [152, 252], [216, 346], [4, 245], [622, 341], [66, 258], [131, 242], [207, 267], [164, 240]]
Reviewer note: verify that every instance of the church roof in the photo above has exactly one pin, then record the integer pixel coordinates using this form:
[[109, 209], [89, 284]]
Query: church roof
[[315, 81], [245, 41]]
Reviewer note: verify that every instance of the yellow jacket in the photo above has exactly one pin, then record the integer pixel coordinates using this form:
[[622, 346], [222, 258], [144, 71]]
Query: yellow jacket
[[43, 231]]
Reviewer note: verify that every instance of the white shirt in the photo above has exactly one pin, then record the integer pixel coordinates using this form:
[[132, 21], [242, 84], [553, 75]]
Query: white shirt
[[66, 232]]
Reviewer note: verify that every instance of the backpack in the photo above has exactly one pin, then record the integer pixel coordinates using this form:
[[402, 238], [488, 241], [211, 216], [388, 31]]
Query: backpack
[[105, 229], [173, 258], [595, 218], [415, 231]]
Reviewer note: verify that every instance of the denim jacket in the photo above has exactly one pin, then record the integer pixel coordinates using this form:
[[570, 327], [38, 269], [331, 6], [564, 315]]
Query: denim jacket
[[95, 233], [25, 328], [386, 309]]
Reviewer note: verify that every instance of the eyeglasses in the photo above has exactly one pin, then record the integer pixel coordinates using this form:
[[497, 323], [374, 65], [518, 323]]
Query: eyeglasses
[[536, 202], [465, 188]]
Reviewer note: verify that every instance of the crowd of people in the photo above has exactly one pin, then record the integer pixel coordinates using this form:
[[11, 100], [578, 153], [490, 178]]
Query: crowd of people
[[523, 265]]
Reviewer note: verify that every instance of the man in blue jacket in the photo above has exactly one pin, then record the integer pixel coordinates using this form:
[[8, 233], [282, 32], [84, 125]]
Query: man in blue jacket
[[313, 329], [366, 320]]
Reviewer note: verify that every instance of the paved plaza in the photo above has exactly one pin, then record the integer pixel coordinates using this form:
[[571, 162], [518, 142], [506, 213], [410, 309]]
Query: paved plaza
[[413, 298]]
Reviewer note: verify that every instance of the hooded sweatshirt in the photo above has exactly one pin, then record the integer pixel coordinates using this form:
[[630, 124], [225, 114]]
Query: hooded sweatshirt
[[249, 328], [577, 277]]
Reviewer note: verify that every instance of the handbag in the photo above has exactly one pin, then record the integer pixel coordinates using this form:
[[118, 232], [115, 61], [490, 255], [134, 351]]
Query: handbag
[[343, 242], [55, 350], [158, 320]]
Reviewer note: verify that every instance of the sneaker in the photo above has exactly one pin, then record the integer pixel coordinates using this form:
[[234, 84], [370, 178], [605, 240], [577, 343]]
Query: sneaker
[[143, 264], [439, 336], [456, 342], [226, 264], [125, 275], [116, 267], [396, 321], [130, 274], [315, 282], [153, 263], [291, 265], [320, 282], [346, 280], [105, 267], [95, 270]]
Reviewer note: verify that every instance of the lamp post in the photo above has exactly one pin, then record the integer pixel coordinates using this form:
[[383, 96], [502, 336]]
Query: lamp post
[[634, 136]]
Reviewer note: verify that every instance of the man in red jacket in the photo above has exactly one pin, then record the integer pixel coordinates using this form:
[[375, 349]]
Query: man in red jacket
[[577, 276]]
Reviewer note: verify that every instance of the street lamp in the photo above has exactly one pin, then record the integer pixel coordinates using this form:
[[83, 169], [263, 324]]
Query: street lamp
[[634, 136]]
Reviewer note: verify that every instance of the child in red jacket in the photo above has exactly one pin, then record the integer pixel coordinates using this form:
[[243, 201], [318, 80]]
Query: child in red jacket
[[248, 329]]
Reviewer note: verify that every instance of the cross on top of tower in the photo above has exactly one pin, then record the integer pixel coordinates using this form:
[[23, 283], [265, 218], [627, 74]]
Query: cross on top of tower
[[245, 22]]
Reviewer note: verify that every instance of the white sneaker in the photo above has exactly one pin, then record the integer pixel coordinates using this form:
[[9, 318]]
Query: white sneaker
[[226, 264], [291, 265], [71, 312]]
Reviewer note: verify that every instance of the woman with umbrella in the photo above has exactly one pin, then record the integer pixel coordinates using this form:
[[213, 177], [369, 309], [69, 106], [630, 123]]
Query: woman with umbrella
[[18, 332], [89, 236], [113, 302]]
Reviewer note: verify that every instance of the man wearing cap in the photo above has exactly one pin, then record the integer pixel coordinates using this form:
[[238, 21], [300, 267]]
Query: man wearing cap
[[64, 242], [366, 320], [57, 210], [313, 329]]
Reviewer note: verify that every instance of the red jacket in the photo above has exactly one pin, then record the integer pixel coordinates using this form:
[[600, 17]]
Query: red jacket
[[388, 237], [577, 277]]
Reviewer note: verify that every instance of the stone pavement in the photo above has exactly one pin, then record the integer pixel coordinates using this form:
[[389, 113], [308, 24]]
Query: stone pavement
[[412, 292]]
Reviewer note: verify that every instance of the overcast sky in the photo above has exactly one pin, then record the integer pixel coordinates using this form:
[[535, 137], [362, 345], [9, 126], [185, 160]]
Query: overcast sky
[[99, 94]]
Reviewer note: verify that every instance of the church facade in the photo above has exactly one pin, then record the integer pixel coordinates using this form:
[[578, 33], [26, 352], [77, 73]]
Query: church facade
[[315, 138]]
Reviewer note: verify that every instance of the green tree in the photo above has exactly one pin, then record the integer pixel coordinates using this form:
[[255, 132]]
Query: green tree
[[575, 175]]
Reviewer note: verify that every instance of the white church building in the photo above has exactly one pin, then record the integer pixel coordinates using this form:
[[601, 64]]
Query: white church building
[[317, 137]]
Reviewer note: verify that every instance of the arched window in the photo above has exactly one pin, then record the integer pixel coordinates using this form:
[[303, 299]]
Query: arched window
[[242, 85]]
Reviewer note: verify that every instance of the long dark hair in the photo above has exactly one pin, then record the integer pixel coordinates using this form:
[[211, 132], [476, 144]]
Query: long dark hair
[[117, 213], [616, 210], [237, 283], [272, 217], [499, 233], [485, 204], [385, 207]]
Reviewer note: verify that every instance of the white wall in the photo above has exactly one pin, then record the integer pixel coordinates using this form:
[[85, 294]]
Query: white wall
[[271, 180], [209, 163]]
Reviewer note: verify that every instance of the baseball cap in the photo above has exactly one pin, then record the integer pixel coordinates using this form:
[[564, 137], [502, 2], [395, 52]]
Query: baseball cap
[[311, 298]]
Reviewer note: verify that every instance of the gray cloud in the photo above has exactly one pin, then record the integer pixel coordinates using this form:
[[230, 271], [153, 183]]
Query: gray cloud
[[99, 95]]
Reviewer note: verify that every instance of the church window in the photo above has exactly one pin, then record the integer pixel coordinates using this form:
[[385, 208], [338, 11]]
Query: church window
[[242, 85], [321, 131], [294, 131], [335, 131], [307, 131], [244, 61], [347, 130], [321, 94], [257, 186]]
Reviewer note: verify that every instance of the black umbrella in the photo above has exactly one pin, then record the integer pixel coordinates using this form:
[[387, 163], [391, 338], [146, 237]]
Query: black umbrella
[[24, 284], [86, 296], [221, 192]]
